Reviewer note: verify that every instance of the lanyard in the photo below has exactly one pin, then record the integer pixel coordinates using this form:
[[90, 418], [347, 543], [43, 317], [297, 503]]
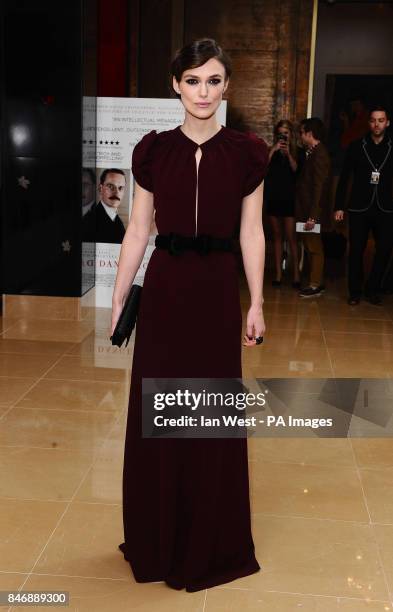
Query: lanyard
[[374, 167]]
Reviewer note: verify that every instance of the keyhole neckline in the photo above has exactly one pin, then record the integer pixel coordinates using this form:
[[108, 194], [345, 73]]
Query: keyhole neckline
[[207, 142]]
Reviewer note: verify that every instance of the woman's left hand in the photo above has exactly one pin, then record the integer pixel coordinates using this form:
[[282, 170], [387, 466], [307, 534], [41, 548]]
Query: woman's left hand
[[255, 326]]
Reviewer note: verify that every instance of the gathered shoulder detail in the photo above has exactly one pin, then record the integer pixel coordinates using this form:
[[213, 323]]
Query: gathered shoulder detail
[[142, 158], [257, 163]]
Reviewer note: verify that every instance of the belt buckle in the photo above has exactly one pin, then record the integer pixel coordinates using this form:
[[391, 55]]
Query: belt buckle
[[202, 244], [174, 247]]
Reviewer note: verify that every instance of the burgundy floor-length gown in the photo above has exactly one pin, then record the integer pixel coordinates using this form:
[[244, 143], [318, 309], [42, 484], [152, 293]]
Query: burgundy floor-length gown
[[186, 506]]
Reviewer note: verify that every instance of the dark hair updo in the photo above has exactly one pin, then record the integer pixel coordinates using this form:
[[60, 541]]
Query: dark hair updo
[[196, 54]]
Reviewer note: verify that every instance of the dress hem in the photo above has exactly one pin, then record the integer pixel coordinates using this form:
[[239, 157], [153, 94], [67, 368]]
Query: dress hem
[[250, 568]]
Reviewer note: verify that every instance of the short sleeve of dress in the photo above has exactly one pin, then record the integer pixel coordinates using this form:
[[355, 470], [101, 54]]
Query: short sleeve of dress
[[142, 158], [256, 164]]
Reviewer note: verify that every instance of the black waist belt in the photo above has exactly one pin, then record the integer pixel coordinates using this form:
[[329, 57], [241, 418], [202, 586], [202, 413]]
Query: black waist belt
[[202, 244]]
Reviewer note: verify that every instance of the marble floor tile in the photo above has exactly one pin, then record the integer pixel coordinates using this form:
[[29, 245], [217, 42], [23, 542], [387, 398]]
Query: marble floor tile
[[319, 451], [99, 348], [298, 322], [319, 557], [102, 318], [85, 543], [34, 347], [11, 582], [77, 395], [293, 369], [359, 341], [25, 366], [384, 538], [341, 309], [378, 487], [285, 340], [100, 341], [11, 389], [55, 428], [89, 595], [6, 323], [42, 474], [233, 600], [284, 293], [295, 359], [373, 452], [118, 432], [294, 339], [49, 330], [296, 307], [86, 347], [103, 483], [306, 490], [354, 325], [351, 605], [83, 367], [25, 527], [361, 363]]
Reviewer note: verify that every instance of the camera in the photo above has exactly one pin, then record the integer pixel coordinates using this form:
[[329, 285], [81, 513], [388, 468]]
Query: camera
[[282, 138]]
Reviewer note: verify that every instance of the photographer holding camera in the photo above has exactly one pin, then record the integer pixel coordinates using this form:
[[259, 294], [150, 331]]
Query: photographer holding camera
[[279, 195]]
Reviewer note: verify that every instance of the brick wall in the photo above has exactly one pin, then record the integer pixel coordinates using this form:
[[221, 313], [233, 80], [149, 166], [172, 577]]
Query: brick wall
[[268, 41]]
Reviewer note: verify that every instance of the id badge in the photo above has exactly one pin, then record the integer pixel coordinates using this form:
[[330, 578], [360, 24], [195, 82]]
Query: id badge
[[374, 178]]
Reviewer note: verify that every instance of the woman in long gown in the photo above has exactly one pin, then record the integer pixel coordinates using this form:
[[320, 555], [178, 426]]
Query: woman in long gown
[[186, 506]]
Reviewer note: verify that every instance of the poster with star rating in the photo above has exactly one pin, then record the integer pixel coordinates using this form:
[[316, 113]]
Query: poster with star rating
[[121, 123]]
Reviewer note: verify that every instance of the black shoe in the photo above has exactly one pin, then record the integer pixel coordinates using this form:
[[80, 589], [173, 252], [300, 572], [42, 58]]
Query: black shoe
[[374, 299], [353, 300], [296, 284], [276, 283], [122, 547], [308, 292]]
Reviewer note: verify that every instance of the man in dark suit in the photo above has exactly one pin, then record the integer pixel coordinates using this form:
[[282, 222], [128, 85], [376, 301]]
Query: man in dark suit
[[365, 189], [102, 223], [312, 200]]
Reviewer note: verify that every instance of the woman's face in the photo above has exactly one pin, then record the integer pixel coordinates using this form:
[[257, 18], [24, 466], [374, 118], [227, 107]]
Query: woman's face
[[201, 89]]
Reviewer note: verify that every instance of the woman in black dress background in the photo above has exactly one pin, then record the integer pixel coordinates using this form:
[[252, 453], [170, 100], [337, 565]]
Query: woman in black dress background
[[279, 196]]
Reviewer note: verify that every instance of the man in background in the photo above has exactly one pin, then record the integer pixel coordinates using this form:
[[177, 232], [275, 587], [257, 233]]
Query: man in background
[[102, 223], [365, 189], [312, 200]]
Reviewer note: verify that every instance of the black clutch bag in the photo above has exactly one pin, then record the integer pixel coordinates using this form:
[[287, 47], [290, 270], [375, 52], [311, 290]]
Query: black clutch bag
[[128, 316]]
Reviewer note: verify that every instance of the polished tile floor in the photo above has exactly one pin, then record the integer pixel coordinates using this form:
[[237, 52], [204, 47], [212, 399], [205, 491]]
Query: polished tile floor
[[322, 508]]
